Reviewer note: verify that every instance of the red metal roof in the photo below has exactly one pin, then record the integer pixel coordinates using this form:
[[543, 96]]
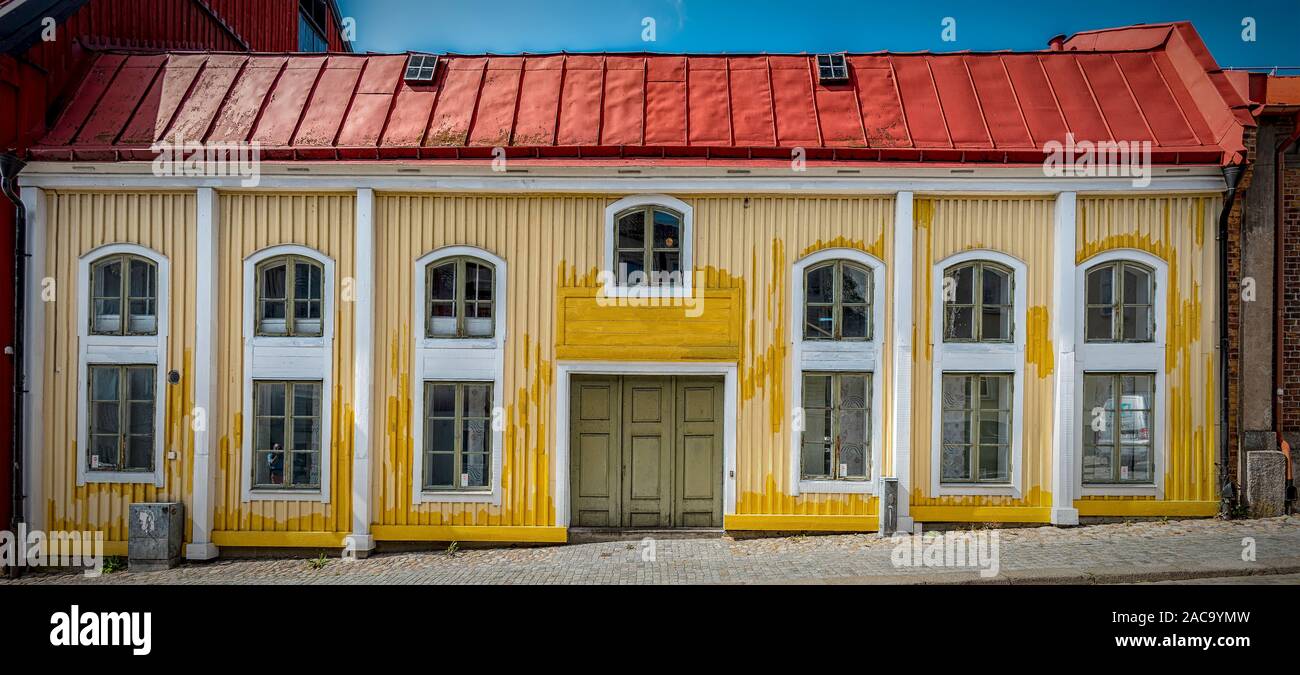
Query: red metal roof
[[1148, 83]]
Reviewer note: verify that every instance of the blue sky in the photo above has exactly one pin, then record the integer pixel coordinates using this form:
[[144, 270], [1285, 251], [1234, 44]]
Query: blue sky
[[506, 26]]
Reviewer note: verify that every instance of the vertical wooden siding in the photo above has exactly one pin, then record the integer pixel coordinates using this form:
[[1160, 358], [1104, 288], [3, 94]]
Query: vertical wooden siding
[[550, 242], [79, 222], [250, 223], [1021, 227], [1178, 229]]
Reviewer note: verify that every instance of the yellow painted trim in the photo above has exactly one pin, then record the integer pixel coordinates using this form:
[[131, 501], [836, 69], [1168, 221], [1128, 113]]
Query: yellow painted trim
[[982, 514], [793, 523], [1145, 507], [114, 548], [280, 539], [504, 533]]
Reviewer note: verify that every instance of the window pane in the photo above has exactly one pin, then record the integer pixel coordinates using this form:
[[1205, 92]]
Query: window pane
[[820, 284], [142, 279], [478, 400], [1137, 324], [139, 454], [994, 461], [631, 230], [667, 263], [140, 382], [668, 230], [103, 452], [995, 392], [631, 268], [853, 444], [442, 285], [274, 280], [108, 279], [270, 434], [1098, 323], [270, 398], [818, 322], [856, 290], [959, 323], [853, 392], [306, 399], [956, 426], [816, 461], [1098, 410], [957, 392], [105, 418], [855, 321], [995, 428], [816, 391], [1101, 286], [108, 316], [483, 281], [438, 469], [475, 467], [996, 323], [306, 470], [269, 469], [1135, 463], [441, 435], [142, 317], [955, 463], [306, 281], [997, 287], [103, 383], [1137, 286], [139, 418], [1097, 464], [443, 401], [306, 433], [961, 290]]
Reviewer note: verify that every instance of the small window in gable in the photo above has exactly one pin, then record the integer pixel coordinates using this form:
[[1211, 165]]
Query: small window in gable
[[978, 303], [460, 296], [837, 302], [1120, 297], [648, 247], [124, 296], [290, 297]]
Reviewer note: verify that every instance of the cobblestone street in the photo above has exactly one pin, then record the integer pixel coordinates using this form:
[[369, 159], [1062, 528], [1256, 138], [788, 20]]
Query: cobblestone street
[[1113, 553]]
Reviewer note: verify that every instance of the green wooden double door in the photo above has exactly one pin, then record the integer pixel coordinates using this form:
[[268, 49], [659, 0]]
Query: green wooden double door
[[646, 451]]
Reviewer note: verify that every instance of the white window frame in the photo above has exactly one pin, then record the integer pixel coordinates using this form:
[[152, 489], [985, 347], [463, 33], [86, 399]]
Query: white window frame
[[270, 357], [840, 356], [1123, 357], [122, 350], [979, 357], [444, 359], [610, 286]]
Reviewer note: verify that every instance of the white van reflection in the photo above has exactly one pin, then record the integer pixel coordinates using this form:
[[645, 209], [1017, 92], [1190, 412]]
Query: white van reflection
[[1134, 438]]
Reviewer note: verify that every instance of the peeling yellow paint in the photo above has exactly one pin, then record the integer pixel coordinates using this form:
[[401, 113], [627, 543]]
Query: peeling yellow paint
[[1039, 350]]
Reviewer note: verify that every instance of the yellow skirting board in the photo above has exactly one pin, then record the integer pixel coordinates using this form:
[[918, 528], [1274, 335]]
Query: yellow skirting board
[[521, 534], [794, 523]]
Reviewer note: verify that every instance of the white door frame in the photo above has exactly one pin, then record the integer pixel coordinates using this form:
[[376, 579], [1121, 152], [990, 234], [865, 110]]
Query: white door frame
[[565, 369]]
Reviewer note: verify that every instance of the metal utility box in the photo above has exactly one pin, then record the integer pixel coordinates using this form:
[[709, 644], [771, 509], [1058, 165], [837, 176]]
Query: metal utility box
[[155, 536]]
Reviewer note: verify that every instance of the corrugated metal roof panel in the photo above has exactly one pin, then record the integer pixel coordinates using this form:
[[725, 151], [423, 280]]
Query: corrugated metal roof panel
[[999, 106]]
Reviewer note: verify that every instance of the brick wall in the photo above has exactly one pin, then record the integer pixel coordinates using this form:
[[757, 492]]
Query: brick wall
[[1291, 294], [1233, 354]]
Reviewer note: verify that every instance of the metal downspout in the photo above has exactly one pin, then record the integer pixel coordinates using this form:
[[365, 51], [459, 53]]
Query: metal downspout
[[10, 165], [1227, 494]]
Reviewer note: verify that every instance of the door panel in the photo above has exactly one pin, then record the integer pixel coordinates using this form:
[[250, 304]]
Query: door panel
[[646, 451], [596, 453], [698, 477]]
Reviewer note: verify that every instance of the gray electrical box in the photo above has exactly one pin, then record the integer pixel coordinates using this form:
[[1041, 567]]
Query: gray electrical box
[[155, 536]]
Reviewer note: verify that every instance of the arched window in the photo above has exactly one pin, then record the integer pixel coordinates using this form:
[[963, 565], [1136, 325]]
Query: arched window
[[837, 302], [648, 246], [290, 297], [978, 302], [123, 295], [1120, 297], [460, 297]]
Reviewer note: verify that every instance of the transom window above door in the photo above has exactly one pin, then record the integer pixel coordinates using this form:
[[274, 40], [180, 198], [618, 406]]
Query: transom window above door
[[290, 297], [1120, 297], [837, 302], [648, 247], [460, 295], [978, 302], [124, 296]]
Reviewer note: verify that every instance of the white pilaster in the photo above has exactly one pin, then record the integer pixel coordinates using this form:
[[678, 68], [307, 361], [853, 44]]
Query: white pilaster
[[363, 316], [205, 381], [34, 359], [904, 278], [1063, 313]]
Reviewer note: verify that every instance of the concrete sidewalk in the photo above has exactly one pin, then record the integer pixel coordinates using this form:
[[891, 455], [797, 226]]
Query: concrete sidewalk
[[1117, 553]]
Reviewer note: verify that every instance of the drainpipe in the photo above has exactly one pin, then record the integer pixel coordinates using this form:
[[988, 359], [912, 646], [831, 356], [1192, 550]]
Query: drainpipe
[[1227, 494], [1279, 297], [10, 165]]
